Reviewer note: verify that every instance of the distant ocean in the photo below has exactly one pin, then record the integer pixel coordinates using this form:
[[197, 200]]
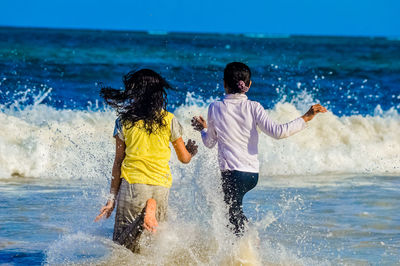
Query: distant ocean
[[329, 195]]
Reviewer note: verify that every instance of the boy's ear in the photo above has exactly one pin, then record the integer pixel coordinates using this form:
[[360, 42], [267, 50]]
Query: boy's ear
[[226, 88]]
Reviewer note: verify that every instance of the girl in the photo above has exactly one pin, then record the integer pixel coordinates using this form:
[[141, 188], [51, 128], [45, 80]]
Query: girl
[[141, 177], [233, 123]]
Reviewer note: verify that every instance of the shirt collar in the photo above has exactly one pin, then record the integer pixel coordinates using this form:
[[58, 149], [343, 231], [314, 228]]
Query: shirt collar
[[235, 97]]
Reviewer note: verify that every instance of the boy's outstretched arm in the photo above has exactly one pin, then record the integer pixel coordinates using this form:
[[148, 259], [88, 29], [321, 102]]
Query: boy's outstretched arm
[[185, 152], [279, 131]]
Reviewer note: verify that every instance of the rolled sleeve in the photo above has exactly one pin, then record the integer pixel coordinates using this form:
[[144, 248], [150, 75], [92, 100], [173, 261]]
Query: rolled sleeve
[[176, 129], [118, 130]]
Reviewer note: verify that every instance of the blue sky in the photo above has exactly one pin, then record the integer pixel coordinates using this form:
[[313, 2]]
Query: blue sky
[[314, 17]]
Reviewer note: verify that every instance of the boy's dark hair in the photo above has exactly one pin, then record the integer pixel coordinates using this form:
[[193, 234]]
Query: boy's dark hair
[[233, 73], [144, 98]]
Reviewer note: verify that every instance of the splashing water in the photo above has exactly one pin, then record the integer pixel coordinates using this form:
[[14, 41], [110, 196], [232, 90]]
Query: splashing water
[[326, 196]]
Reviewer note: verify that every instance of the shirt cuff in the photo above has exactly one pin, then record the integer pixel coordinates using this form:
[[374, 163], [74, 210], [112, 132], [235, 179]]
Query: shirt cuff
[[203, 131], [303, 123]]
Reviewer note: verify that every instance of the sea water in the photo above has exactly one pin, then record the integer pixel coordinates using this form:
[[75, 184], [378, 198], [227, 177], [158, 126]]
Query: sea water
[[328, 195]]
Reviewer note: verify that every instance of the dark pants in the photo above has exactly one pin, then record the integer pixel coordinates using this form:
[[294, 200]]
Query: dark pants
[[235, 185]]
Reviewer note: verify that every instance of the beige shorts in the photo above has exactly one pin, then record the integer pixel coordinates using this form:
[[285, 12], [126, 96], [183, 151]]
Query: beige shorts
[[131, 202]]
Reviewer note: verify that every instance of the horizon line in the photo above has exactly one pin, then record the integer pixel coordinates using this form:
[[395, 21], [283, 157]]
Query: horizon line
[[255, 35]]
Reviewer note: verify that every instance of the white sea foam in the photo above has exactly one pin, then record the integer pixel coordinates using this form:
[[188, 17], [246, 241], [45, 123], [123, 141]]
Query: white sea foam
[[200, 239], [46, 143], [42, 142], [175, 246]]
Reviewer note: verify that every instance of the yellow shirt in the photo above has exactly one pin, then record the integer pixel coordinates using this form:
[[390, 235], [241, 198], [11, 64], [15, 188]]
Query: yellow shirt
[[147, 156]]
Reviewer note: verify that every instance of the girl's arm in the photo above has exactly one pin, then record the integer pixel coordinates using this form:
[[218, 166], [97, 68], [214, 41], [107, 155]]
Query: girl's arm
[[185, 152], [116, 170], [116, 179]]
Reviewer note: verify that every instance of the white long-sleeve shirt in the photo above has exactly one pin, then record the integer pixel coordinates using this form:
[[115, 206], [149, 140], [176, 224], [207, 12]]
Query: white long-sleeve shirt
[[233, 123]]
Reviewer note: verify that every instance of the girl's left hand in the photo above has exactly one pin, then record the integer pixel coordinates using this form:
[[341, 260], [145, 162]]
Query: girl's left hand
[[192, 147], [106, 210]]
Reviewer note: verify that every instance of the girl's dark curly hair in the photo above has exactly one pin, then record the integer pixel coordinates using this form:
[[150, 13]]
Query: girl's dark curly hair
[[144, 98]]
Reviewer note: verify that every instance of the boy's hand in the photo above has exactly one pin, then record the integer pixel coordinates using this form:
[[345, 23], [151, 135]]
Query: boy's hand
[[106, 210], [314, 110], [199, 123], [191, 147]]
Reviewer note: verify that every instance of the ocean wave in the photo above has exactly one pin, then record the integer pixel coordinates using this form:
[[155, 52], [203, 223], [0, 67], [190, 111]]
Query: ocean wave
[[42, 142]]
